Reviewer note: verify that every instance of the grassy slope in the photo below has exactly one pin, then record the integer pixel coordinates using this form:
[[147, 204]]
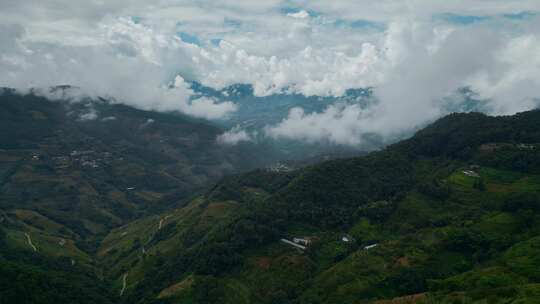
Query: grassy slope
[[67, 211], [412, 249], [442, 236], [440, 233], [418, 251]]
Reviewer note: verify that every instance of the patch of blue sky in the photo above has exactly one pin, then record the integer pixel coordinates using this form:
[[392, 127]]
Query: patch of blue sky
[[216, 41], [354, 24], [232, 23], [522, 15], [187, 38], [289, 10], [294, 10], [136, 19], [360, 24], [472, 19], [462, 19]]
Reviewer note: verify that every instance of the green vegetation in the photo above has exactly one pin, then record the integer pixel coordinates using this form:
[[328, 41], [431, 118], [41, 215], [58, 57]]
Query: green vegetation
[[67, 182], [448, 216], [450, 225]]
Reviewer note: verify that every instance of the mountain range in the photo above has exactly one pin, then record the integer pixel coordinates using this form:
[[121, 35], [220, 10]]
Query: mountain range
[[103, 203]]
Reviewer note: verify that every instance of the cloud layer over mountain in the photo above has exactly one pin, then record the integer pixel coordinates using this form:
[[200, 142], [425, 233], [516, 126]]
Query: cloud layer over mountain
[[413, 53]]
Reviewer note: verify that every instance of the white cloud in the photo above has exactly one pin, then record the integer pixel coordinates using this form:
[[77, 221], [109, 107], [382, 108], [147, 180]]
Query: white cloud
[[309, 71], [133, 65], [91, 114], [147, 123], [338, 124], [421, 67], [412, 58], [235, 136], [209, 108], [300, 15], [514, 85], [420, 10]]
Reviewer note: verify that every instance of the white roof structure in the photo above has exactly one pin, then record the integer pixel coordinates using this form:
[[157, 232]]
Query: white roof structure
[[294, 244], [370, 246]]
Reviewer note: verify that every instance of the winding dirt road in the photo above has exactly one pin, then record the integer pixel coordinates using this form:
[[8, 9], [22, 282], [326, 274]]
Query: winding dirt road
[[30, 242], [124, 278], [162, 220]]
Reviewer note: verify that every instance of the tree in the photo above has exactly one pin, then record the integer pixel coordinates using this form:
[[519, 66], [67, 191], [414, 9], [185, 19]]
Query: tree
[[207, 290], [479, 185], [2, 238]]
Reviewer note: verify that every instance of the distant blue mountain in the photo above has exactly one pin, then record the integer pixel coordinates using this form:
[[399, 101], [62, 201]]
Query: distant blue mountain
[[255, 112]]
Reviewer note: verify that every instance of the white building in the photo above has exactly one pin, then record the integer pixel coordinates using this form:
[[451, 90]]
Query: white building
[[303, 241], [294, 244], [370, 246]]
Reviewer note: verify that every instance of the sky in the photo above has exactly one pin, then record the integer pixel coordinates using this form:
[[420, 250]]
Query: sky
[[413, 53]]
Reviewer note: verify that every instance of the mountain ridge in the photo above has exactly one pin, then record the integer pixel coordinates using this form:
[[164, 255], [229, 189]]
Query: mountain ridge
[[429, 218], [366, 200]]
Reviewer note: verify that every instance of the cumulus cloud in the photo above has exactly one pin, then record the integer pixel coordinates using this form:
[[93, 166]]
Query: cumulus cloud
[[209, 108], [321, 72], [300, 15], [514, 85], [413, 58], [235, 136], [132, 65], [338, 124], [91, 114], [422, 66]]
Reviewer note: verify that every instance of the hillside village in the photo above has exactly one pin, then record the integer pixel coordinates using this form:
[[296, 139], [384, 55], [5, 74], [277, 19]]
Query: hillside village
[[81, 159]]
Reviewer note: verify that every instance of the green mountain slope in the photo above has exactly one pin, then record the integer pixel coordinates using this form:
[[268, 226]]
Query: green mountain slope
[[86, 167], [102, 203], [72, 171], [448, 216]]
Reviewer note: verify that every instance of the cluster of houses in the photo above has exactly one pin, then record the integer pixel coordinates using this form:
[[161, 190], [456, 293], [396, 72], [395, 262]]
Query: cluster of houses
[[90, 158], [279, 168], [86, 159], [305, 242], [490, 147], [471, 173], [526, 147]]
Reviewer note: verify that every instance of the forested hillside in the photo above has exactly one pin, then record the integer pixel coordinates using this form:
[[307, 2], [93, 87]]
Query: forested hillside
[[123, 213], [72, 171], [448, 216]]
